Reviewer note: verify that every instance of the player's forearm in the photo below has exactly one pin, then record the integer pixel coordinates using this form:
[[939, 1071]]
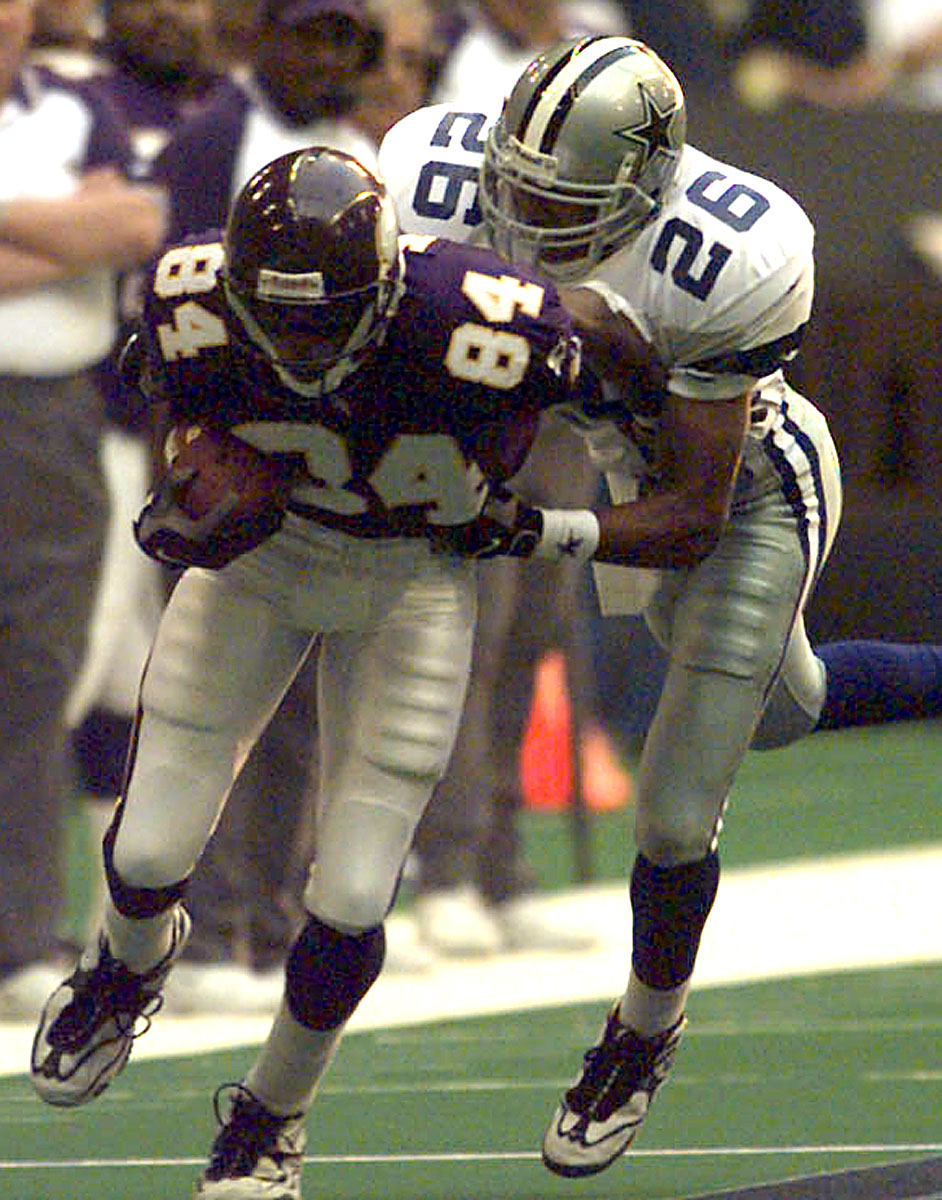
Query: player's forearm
[[664, 531], [669, 530]]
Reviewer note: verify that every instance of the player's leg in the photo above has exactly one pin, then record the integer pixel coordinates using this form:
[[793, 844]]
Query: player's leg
[[725, 625], [874, 682], [221, 660], [838, 685], [846, 683], [390, 701]]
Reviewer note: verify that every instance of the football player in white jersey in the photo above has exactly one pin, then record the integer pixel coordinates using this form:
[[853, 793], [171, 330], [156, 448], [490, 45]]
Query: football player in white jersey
[[728, 482]]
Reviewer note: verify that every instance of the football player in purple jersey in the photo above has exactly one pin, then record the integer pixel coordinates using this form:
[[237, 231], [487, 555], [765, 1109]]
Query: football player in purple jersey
[[345, 407]]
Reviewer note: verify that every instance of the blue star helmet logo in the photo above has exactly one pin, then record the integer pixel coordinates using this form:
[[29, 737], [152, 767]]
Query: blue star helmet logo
[[654, 132]]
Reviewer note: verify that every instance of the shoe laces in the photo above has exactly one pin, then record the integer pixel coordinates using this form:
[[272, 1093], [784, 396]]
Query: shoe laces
[[107, 990], [248, 1132], [613, 1069]]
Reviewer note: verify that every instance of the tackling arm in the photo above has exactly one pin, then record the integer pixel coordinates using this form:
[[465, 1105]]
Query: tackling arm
[[679, 521], [680, 517]]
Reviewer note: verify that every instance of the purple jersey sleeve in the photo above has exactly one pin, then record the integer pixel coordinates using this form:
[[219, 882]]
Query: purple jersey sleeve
[[109, 140]]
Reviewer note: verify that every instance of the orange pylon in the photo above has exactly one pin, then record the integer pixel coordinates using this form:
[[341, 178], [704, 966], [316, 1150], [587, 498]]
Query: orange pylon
[[546, 766], [547, 769]]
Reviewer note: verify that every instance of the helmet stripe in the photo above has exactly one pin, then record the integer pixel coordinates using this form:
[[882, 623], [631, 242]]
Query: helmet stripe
[[553, 100], [555, 123], [547, 81]]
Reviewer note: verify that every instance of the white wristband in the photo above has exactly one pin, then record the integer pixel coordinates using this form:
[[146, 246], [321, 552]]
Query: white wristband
[[569, 534]]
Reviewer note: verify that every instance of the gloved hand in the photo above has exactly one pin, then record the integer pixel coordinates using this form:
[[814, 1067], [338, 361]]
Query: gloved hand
[[505, 527]]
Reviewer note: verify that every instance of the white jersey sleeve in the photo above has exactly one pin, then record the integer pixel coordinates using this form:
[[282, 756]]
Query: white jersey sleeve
[[722, 281], [429, 161]]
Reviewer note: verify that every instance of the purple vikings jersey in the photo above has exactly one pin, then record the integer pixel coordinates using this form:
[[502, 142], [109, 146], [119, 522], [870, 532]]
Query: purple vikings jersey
[[475, 351]]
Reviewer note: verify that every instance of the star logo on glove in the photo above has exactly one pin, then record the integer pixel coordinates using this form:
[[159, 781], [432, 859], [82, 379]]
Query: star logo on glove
[[570, 546]]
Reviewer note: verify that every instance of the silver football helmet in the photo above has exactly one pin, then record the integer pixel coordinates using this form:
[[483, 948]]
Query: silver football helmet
[[587, 144]]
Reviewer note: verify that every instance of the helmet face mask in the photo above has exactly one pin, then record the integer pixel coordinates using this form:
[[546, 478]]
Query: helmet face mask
[[586, 146], [305, 340], [313, 273]]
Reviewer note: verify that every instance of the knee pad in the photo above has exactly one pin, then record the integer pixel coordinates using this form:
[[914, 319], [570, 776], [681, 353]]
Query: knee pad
[[328, 973], [361, 848]]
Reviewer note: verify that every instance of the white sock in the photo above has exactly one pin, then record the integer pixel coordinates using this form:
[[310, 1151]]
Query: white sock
[[649, 1011], [291, 1064], [140, 945]]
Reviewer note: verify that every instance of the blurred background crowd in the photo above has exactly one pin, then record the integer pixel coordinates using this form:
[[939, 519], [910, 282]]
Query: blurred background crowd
[[128, 122]]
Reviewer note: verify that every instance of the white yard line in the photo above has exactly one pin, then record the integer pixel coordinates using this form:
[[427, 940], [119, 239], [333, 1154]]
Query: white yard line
[[486, 1156], [803, 918]]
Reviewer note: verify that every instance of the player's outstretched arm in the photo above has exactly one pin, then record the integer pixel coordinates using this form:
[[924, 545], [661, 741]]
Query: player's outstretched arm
[[683, 510]]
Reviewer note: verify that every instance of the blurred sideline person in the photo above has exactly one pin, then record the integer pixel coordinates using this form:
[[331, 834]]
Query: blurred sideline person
[[895, 59], [727, 483], [345, 405], [489, 43], [889, 50], [69, 222], [160, 63], [155, 64], [65, 36], [413, 51], [298, 87], [162, 70]]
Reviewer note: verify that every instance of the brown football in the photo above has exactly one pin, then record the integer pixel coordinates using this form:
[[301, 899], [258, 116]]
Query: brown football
[[225, 468]]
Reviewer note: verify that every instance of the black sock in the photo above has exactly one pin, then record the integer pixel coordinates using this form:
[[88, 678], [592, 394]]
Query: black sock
[[670, 906]]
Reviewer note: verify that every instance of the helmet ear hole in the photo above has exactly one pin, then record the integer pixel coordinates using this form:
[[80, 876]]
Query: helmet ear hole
[[312, 270], [586, 146]]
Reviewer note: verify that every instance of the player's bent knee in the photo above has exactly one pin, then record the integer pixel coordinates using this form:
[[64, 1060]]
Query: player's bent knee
[[329, 972], [673, 843], [360, 901], [784, 721], [362, 845], [795, 703], [131, 898]]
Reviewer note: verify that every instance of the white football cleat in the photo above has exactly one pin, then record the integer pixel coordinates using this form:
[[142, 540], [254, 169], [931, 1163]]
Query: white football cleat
[[256, 1155], [89, 1023], [600, 1115]]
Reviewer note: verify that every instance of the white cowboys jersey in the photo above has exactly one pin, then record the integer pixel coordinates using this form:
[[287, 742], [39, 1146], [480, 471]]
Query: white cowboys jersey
[[726, 267], [721, 283]]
